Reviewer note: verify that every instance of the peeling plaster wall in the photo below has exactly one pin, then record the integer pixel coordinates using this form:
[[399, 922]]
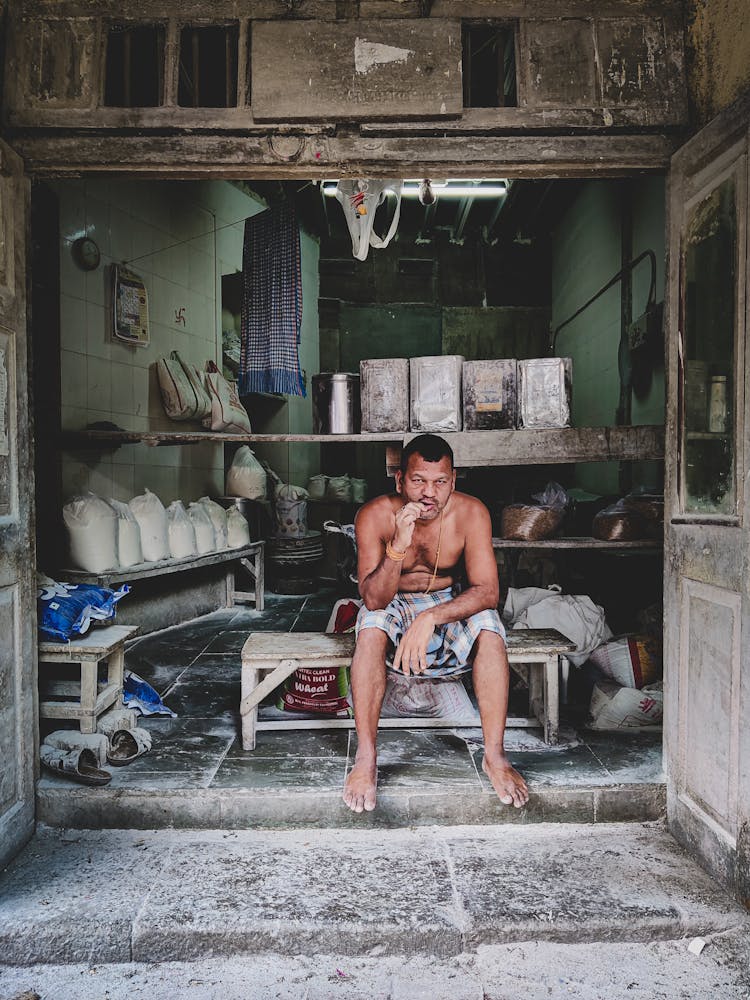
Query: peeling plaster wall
[[718, 40]]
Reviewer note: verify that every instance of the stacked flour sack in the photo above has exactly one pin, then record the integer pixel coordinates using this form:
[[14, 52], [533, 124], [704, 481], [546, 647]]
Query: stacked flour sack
[[107, 534]]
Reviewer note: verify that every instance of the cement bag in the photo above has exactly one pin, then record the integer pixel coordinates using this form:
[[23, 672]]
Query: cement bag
[[181, 531], [129, 550], [149, 512], [339, 488], [205, 539], [182, 392], [427, 697], [246, 476], [238, 530], [291, 511], [92, 533], [577, 617], [615, 707], [65, 610], [316, 487], [218, 517], [359, 490], [632, 661], [227, 412]]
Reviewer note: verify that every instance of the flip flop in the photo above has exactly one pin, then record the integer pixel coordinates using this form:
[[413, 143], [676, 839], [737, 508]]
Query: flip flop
[[79, 765], [125, 745]]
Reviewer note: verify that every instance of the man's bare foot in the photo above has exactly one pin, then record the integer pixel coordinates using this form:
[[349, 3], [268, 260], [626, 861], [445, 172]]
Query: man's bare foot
[[507, 782], [360, 786]]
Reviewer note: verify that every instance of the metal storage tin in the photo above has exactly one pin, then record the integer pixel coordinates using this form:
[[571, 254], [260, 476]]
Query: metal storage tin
[[435, 393], [490, 395], [335, 398], [385, 394], [544, 392]]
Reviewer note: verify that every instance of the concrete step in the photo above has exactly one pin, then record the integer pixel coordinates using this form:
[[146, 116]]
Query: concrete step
[[122, 896], [60, 805]]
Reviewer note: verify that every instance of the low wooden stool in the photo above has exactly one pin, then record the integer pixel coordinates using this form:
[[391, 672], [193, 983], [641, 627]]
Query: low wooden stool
[[278, 655], [533, 653], [83, 699]]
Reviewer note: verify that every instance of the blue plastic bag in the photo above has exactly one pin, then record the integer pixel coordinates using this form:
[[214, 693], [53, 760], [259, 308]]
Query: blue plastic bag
[[67, 609], [137, 693]]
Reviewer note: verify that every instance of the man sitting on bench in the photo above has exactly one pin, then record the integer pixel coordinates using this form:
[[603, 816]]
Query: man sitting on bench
[[413, 548]]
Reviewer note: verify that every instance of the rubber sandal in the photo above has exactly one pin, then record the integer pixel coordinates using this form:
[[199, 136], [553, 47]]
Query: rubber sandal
[[78, 765], [126, 745]]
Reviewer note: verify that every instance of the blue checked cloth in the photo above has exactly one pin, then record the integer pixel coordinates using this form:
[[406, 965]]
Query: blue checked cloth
[[450, 647], [271, 304]]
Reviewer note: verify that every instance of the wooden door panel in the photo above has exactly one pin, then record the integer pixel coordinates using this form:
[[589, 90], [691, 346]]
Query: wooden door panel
[[707, 536], [709, 702], [18, 726]]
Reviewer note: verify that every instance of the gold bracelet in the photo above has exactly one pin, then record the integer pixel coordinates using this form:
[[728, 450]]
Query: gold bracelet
[[394, 554]]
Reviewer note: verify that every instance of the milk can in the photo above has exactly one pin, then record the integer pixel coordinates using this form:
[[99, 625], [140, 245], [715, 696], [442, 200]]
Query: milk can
[[336, 408]]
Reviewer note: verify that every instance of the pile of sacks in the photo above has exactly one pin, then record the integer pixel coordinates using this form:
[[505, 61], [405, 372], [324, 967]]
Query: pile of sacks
[[109, 534], [84, 757]]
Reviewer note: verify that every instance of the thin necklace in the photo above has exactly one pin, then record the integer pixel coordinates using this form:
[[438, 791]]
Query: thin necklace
[[437, 554]]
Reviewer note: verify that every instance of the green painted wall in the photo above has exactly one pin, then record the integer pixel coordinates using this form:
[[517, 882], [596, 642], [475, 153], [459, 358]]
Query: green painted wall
[[586, 254]]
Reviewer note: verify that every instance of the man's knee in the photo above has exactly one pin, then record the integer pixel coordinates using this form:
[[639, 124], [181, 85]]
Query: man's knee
[[372, 643], [489, 643]]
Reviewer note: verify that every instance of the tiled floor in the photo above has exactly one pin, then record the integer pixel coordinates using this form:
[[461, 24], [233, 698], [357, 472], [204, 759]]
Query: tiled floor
[[196, 670]]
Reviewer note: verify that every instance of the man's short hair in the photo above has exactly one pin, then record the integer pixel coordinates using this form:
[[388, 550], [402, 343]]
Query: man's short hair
[[431, 447]]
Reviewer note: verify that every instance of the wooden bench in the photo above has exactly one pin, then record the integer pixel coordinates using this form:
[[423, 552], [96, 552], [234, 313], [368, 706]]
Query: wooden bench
[[85, 699], [249, 557], [268, 658]]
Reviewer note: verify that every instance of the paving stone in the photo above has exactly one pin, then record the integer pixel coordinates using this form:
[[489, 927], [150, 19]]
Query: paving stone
[[624, 882], [296, 891], [307, 773], [74, 899], [360, 895]]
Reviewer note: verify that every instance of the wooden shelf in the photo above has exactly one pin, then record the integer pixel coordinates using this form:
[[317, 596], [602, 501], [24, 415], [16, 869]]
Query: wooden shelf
[[143, 571], [113, 439], [473, 449], [584, 542]]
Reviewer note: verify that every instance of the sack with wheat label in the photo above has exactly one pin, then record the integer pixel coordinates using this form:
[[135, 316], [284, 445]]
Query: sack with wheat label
[[227, 412]]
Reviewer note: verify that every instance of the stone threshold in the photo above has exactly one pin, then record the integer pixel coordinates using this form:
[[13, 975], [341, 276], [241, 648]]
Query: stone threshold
[[249, 809]]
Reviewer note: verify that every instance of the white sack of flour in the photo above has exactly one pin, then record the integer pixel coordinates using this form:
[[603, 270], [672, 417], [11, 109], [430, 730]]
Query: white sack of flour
[[149, 512], [246, 476], [205, 538], [181, 531], [129, 550], [92, 533], [238, 530], [218, 517]]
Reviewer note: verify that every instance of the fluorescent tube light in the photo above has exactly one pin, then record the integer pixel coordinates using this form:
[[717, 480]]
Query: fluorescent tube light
[[447, 189]]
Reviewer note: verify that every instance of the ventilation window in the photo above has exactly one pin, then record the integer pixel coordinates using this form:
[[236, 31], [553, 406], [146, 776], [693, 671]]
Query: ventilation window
[[416, 267], [335, 266], [489, 66], [135, 66], [208, 67]]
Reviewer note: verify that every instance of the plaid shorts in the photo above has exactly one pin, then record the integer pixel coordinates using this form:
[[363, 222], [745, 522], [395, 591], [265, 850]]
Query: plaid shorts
[[450, 647]]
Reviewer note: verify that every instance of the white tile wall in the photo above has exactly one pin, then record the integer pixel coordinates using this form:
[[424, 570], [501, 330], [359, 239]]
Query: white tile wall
[[104, 379]]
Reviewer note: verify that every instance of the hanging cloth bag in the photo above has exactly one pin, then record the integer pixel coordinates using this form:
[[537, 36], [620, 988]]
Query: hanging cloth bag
[[227, 412], [360, 200]]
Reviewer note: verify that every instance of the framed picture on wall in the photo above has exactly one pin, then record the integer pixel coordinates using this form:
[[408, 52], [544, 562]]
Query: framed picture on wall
[[129, 307]]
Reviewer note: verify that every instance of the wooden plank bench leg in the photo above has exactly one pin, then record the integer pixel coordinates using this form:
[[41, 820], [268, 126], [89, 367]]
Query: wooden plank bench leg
[[249, 719], [551, 700], [89, 677]]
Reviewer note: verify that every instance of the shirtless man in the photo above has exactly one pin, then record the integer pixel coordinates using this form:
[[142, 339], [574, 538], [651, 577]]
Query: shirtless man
[[413, 548]]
